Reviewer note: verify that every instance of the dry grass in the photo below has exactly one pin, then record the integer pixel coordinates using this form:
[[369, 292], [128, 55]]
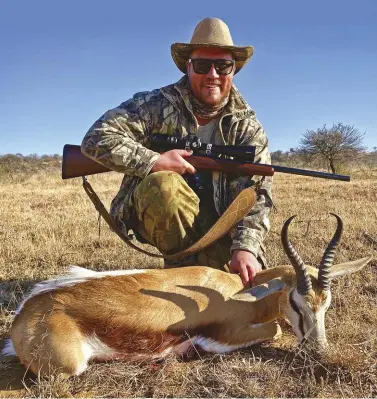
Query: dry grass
[[47, 223]]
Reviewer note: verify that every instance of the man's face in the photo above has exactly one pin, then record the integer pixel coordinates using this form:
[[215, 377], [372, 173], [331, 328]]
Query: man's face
[[211, 88]]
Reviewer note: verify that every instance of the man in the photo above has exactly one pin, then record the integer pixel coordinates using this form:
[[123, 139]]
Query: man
[[163, 199]]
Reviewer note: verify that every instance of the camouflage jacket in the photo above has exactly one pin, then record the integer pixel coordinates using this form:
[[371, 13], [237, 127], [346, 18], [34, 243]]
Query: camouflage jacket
[[120, 140]]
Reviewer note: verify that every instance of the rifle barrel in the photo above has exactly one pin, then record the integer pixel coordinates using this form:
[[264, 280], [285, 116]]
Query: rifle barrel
[[312, 173]]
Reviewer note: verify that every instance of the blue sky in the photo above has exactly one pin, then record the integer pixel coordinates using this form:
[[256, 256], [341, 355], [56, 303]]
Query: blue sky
[[63, 64]]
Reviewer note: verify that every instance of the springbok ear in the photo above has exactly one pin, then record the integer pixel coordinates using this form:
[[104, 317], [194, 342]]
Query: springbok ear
[[260, 291], [349, 267]]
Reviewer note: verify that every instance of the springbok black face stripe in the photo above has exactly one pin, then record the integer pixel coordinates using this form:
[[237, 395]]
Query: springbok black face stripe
[[297, 310]]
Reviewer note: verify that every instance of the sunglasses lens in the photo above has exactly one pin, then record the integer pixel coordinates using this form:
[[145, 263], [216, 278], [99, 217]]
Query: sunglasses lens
[[224, 67], [203, 66]]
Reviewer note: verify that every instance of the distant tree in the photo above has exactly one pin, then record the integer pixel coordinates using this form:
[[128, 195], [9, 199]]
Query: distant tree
[[334, 145], [277, 156], [370, 159]]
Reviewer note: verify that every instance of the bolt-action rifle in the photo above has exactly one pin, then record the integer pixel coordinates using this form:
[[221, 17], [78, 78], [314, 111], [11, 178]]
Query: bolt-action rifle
[[205, 156]]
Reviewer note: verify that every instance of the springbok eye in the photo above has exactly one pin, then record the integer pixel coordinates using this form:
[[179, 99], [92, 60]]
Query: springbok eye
[[297, 310]]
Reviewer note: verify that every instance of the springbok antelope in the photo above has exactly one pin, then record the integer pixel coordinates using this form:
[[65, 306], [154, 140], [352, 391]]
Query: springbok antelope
[[124, 315]]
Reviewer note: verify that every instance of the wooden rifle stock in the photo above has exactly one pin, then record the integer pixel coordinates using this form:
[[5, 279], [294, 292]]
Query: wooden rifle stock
[[230, 166], [76, 164]]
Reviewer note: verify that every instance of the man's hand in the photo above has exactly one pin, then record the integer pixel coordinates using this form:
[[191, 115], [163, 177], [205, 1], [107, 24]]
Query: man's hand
[[174, 160], [245, 264]]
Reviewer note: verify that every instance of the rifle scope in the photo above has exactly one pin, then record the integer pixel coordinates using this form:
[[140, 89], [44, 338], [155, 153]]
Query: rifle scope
[[163, 142]]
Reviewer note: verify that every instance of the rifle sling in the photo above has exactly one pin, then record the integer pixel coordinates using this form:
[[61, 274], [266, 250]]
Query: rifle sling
[[237, 210]]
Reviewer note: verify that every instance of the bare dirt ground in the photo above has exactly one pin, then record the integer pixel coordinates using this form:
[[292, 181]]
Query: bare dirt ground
[[47, 224]]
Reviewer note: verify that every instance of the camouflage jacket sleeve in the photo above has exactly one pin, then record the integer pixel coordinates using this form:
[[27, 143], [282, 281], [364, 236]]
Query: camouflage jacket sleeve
[[115, 140], [251, 231]]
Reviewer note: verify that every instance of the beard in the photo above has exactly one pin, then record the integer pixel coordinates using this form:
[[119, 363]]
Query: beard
[[209, 100]]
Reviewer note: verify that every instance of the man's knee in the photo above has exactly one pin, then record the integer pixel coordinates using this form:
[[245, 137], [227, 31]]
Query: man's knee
[[166, 209], [162, 183], [164, 191]]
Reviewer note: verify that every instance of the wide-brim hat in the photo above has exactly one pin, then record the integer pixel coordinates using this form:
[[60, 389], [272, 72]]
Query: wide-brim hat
[[210, 32]]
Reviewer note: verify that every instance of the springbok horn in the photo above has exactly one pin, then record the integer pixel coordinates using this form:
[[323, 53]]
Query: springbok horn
[[328, 256], [304, 284]]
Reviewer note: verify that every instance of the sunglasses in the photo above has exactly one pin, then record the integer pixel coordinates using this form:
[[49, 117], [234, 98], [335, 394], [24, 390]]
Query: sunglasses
[[203, 65]]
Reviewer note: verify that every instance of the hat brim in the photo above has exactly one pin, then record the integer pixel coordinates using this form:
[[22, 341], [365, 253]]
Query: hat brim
[[181, 53]]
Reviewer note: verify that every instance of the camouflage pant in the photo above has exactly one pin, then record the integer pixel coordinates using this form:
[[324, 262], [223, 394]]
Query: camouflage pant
[[171, 217]]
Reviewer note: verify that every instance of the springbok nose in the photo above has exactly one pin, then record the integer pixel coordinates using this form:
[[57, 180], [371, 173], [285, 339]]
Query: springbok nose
[[315, 345], [323, 345]]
